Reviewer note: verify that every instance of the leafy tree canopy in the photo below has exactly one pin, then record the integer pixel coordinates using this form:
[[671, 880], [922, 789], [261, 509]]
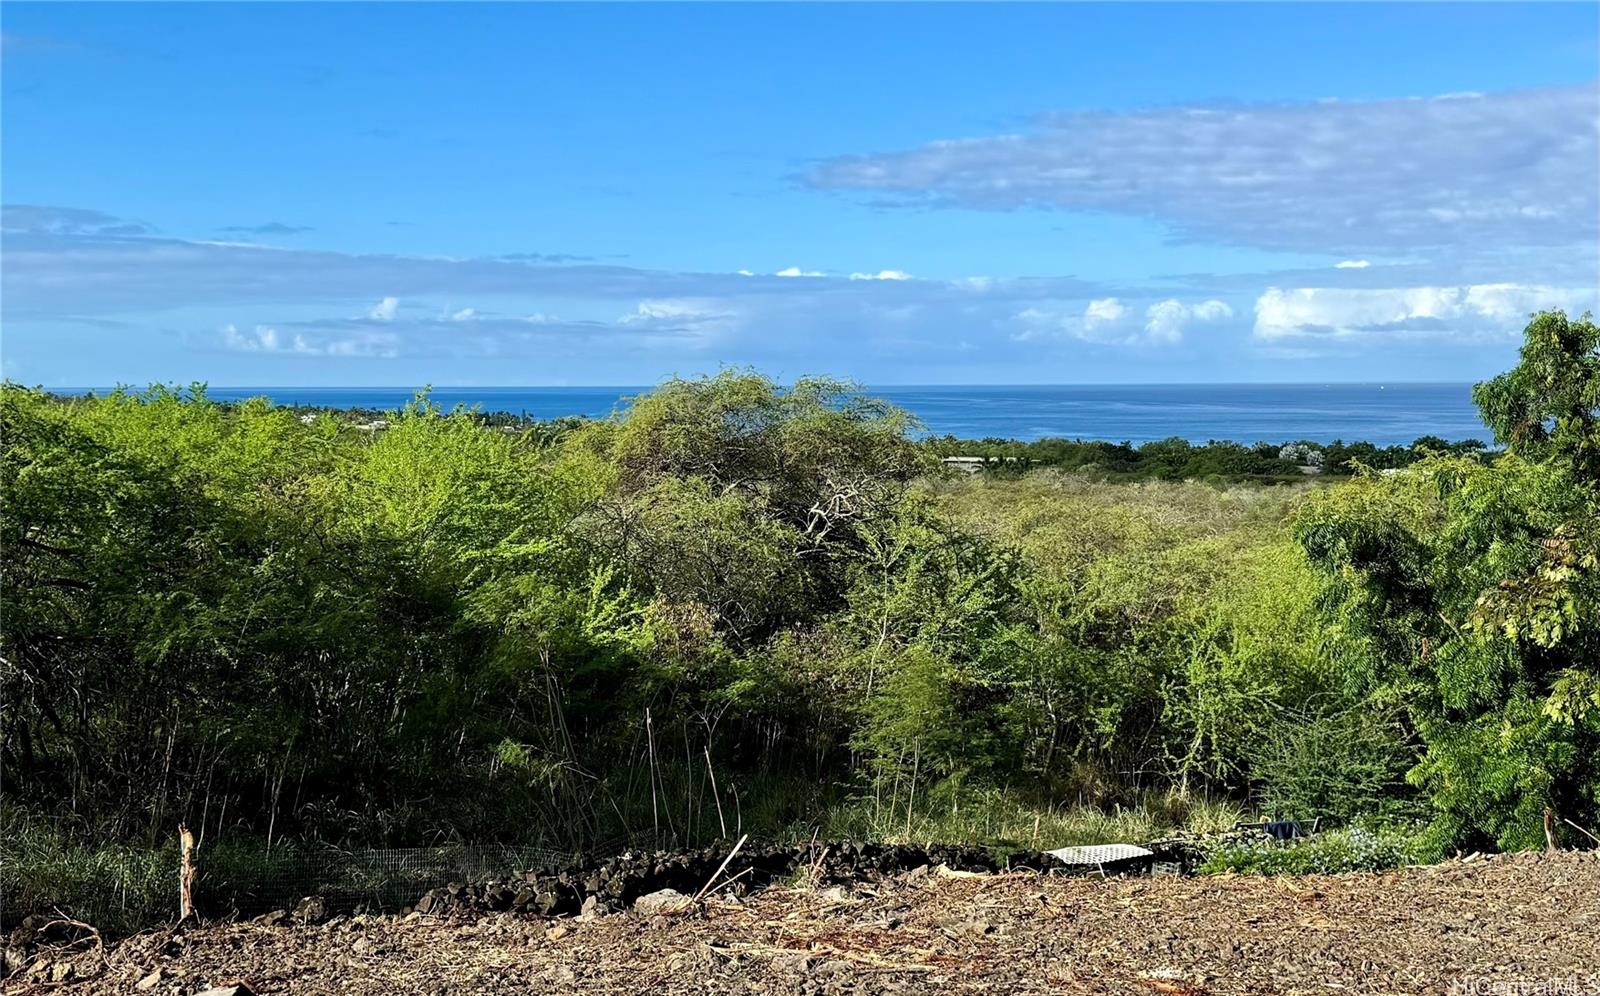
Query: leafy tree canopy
[[1469, 592]]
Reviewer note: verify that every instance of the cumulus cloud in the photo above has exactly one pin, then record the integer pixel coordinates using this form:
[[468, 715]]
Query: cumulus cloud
[[1380, 176], [795, 271], [1103, 311], [1111, 321], [1466, 312], [64, 267], [882, 275], [1351, 264], [266, 339], [262, 340], [1165, 321], [693, 318], [441, 335]]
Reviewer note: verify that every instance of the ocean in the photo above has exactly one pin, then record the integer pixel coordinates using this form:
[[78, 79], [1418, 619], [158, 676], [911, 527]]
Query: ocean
[[1383, 414]]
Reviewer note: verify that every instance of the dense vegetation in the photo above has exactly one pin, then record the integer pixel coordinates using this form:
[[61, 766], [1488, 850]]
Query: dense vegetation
[[1177, 459], [743, 606]]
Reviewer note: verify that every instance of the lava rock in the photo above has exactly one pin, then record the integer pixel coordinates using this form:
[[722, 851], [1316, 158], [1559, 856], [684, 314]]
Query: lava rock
[[660, 901], [311, 909]]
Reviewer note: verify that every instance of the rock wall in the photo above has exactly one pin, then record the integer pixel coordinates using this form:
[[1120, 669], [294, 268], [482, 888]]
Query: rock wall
[[614, 883]]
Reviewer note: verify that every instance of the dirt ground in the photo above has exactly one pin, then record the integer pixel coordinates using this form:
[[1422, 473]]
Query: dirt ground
[[1508, 924]]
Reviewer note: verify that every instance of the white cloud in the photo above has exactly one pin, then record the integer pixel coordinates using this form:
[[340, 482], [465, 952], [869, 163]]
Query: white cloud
[[48, 274], [651, 310], [1475, 311], [1515, 168], [262, 340], [370, 346], [1351, 264], [787, 324], [795, 271], [691, 318], [266, 339], [1103, 311], [1165, 321], [882, 275], [1111, 321]]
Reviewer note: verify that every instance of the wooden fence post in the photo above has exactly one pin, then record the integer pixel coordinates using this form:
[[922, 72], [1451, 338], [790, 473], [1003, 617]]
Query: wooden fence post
[[186, 874]]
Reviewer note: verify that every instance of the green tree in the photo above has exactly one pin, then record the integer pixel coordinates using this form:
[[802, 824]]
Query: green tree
[[1548, 406], [1468, 593]]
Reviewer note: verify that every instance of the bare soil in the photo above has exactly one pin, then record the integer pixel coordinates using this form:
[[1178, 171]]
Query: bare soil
[[1517, 921]]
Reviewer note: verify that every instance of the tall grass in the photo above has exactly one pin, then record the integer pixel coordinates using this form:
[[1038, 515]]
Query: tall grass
[[783, 807], [117, 888], [122, 888], [1005, 819]]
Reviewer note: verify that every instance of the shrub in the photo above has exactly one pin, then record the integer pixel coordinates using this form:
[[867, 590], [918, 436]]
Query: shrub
[[1359, 847], [1335, 765]]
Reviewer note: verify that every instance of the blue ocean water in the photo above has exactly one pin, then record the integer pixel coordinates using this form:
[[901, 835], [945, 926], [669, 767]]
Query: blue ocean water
[[1378, 413]]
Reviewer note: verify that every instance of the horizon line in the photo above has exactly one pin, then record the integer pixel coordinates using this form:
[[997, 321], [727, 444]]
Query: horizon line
[[636, 387]]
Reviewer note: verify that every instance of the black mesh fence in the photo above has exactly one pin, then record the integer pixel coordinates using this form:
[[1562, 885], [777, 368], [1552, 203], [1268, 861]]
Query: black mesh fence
[[121, 888]]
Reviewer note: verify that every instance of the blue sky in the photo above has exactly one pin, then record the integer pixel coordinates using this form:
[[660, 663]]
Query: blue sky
[[366, 193]]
